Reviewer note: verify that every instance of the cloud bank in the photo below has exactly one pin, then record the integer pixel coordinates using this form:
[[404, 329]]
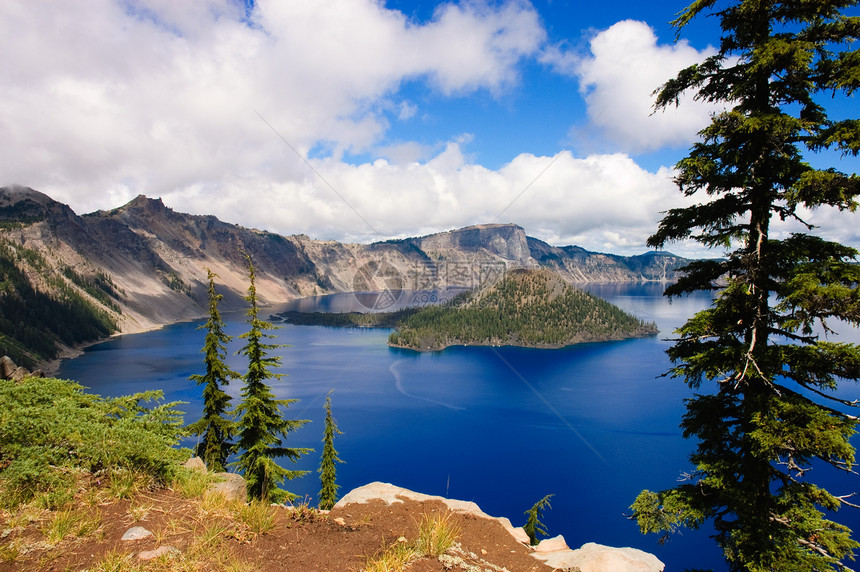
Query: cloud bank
[[249, 115]]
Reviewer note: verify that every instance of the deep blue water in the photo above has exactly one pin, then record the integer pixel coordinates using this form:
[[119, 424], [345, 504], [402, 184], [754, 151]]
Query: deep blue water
[[593, 423]]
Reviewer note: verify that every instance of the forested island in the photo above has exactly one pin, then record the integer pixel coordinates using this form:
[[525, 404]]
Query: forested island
[[528, 308]]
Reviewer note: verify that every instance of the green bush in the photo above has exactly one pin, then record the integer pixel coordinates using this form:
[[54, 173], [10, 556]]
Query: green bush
[[51, 431]]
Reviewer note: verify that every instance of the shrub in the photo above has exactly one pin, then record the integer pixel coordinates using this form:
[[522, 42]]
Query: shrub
[[51, 430]]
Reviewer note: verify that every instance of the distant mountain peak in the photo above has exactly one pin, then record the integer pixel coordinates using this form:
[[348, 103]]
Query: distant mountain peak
[[12, 194], [142, 202], [23, 204]]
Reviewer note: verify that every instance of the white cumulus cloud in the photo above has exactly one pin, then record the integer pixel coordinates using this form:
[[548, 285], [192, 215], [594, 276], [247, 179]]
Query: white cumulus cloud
[[617, 79], [109, 98]]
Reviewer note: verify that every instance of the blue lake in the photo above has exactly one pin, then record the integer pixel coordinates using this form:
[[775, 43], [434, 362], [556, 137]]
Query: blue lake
[[593, 424]]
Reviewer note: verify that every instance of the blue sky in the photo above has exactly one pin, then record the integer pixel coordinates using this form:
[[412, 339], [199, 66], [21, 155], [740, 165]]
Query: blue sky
[[361, 120]]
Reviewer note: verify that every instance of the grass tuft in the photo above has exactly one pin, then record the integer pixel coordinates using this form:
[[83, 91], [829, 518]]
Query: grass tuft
[[192, 483], [257, 516], [10, 552], [396, 558], [70, 522], [436, 534], [116, 561]]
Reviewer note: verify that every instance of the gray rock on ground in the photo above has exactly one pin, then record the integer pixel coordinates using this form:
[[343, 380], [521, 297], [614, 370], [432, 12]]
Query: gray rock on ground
[[7, 366], [147, 555], [232, 486], [136, 533], [10, 370]]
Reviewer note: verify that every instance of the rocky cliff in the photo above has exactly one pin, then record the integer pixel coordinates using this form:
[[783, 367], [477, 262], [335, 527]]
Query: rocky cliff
[[145, 264]]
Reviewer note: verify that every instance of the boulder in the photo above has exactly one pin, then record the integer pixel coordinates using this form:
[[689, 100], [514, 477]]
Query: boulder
[[12, 371], [195, 464], [593, 557], [552, 544], [232, 486], [19, 374], [552, 551], [390, 494], [517, 532], [7, 366]]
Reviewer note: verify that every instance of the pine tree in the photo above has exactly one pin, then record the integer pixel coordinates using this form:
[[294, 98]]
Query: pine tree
[[217, 430], [261, 426], [770, 413], [329, 460], [533, 525]]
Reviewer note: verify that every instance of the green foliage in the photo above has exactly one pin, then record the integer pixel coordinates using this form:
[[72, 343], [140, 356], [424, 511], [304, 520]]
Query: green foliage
[[531, 308], [258, 516], [193, 483], [100, 286], [772, 413], [33, 323], [533, 525], [261, 426], [214, 426], [329, 460], [348, 319], [50, 430], [172, 280]]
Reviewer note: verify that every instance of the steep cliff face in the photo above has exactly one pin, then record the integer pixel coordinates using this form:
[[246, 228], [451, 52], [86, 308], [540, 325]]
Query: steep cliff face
[[156, 259], [505, 241]]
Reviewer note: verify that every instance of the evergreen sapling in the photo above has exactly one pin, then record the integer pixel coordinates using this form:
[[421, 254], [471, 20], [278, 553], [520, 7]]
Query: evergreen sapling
[[329, 460], [261, 428], [216, 428]]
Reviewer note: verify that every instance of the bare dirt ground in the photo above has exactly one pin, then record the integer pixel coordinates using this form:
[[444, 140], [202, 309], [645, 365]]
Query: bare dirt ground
[[194, 536]]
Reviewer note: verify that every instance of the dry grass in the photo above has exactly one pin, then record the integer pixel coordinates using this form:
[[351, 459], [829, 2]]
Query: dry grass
[[436, 534], [257, 517], [71, 522], [395, 558]]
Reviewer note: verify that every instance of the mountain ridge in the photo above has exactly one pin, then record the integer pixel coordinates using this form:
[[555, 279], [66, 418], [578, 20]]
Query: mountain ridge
[[156, 258]]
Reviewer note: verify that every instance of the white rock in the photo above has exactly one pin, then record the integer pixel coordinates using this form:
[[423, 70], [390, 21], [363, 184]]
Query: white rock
[[517, 532], [552, 544], [554, 551], [597, 558], [136, 533], [391, 494]]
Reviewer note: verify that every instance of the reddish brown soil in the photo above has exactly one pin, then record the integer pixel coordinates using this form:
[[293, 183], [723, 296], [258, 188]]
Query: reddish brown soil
[[317, 542]]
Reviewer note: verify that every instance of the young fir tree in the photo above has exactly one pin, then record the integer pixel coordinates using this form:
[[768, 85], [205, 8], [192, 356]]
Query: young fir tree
[[261, 427], [329, 460], [771, 412], [217, 430], [533, 525]]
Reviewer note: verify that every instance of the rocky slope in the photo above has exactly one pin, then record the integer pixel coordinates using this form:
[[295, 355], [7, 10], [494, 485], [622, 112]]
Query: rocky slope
[[154, 259]]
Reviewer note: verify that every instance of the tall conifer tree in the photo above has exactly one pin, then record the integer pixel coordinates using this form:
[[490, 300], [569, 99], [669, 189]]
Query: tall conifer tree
[[215, 427], [329, 460], [261, 428], [771, 412]]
